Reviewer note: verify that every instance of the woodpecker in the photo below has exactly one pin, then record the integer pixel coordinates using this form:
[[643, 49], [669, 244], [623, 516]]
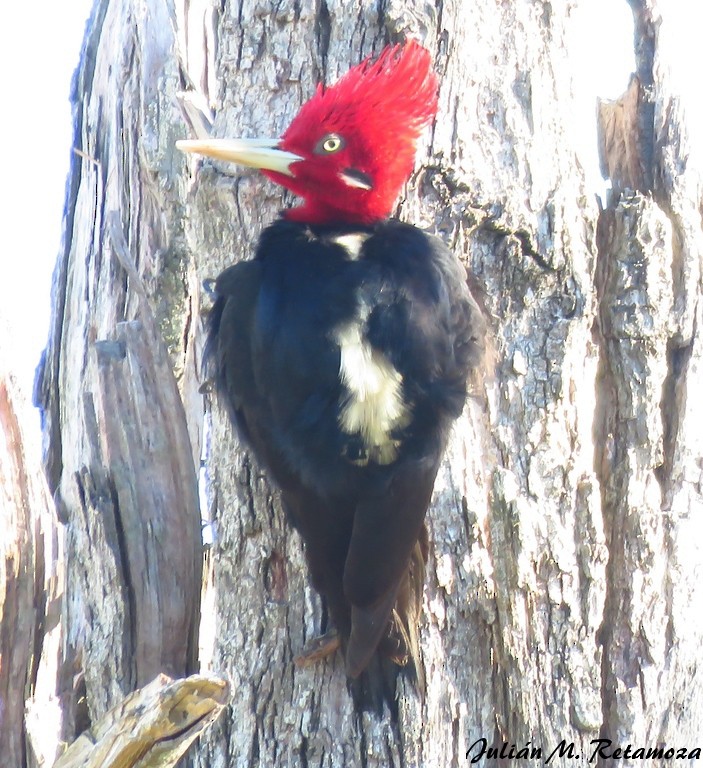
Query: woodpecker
[[344, 347]]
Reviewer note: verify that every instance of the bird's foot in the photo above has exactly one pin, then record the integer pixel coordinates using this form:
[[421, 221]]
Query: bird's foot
[[395, 649], [318, 648]]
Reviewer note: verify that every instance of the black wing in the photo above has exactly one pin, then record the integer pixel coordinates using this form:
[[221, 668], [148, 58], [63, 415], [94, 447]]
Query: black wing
[[230, 354]]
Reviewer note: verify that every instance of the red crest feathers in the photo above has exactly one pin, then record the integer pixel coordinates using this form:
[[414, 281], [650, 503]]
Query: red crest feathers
[[378, 109], [399, 88]]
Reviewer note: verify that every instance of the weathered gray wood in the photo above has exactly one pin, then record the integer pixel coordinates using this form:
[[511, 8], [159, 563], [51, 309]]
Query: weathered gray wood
[[650, 441], [152, 728], [31, 586], [562, 582], [22, 491], [120, 456]]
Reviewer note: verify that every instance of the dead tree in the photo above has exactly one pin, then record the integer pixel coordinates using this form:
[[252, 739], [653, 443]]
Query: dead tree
[[560, 604]]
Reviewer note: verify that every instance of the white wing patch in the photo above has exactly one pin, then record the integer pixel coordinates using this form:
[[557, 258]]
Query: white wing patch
[[374, 407]]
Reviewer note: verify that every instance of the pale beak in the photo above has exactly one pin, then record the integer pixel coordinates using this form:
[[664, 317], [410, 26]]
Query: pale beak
[[252, 153]]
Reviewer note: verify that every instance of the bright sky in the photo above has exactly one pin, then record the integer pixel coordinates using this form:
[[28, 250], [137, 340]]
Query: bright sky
[[35, 133], [36, 136]]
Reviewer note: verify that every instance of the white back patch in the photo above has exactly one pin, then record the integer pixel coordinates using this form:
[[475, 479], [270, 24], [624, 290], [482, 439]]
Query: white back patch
[[374, 407], [352, 243]]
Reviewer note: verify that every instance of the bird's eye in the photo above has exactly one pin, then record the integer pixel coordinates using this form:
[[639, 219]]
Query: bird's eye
[[329, 144]]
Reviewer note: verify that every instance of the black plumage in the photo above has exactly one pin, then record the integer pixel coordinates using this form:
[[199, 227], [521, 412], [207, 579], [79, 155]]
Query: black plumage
[[343, 353]]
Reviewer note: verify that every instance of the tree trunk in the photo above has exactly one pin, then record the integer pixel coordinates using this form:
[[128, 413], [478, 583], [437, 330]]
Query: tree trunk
[[116, 375], [560, 602], [648, 427]]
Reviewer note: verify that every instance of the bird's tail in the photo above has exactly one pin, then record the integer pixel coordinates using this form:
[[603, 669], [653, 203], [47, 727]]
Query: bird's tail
[[398, 652], [402, 643]]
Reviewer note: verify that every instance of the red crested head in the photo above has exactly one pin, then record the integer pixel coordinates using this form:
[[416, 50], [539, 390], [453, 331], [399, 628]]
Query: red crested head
[[356, 139], [351, 147]]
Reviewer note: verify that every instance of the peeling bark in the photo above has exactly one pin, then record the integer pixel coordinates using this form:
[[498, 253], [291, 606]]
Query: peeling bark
[[20, 574], [31, 580], [152, 727], [121, 363]]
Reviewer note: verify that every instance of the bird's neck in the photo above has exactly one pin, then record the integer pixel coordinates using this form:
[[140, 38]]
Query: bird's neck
[[319, 212]]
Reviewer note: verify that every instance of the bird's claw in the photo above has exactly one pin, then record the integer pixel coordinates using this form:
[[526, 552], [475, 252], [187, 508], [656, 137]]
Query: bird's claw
[[318, 648]]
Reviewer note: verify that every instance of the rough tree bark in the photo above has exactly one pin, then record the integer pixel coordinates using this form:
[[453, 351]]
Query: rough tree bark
[[119, 457], [648, 428], [562, 582]]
